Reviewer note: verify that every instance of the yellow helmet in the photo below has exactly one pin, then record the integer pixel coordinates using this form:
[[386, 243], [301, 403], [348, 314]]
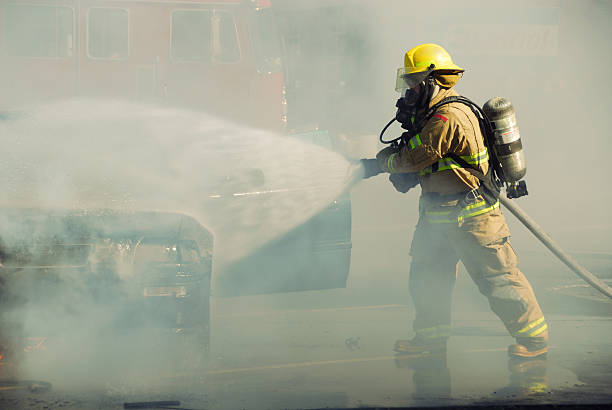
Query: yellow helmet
[[422, 60]]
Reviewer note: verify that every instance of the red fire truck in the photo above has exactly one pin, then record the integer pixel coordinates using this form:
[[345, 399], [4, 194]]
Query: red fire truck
[[222, 56]]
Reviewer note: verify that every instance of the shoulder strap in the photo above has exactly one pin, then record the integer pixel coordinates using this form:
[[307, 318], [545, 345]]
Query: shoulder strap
[[489, 189], [492, 178], [455, 98]]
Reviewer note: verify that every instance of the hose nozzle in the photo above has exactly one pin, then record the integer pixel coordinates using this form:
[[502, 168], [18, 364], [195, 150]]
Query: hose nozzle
[[371, 168]]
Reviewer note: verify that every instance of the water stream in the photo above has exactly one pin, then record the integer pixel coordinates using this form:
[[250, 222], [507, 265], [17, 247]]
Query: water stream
[[247, 185]]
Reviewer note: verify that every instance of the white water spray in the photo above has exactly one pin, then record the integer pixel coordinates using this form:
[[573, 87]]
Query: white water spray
[[248, 186]]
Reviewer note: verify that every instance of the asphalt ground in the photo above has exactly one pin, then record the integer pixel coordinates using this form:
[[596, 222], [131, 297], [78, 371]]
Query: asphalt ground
[[333, 349]]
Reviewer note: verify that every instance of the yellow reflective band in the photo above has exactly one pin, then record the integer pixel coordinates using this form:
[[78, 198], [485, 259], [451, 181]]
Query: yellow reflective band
[[434, 332], [390, 162], [443, 165], [538, 331], [415, 141], [444, 331], [482, 211], [475, 205], [426, 330], [449, 166], [537, 387], [531, 325], [448, 163], [424, 63], [463, 214], [476, 159]]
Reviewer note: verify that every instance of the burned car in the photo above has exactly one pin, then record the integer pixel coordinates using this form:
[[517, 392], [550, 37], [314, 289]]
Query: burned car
[[127, 270], [120, 273], [142, 270]]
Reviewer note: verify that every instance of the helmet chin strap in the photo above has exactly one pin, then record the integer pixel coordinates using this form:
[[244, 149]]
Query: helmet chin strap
[[435, 92]]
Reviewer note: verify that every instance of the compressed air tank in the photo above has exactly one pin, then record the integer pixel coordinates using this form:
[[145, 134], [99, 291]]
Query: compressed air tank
[[506, 138]]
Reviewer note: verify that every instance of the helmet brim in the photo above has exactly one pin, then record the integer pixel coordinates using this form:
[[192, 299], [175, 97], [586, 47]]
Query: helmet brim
[[451, 67], [410, 77]]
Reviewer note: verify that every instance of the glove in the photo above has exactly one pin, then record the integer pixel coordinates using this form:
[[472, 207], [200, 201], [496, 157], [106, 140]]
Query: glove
[[370, 167], [403, 182], [384, 154]]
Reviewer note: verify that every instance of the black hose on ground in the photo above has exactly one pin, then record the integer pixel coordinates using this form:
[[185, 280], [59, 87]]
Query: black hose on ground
[[554, 248]]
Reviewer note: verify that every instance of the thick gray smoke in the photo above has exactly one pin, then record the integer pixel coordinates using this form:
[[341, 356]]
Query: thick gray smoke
[[551, 58], [529, 53], [92, 157]]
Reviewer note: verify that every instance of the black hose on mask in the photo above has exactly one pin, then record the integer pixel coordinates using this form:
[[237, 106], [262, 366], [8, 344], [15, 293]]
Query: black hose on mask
[[407, 108]]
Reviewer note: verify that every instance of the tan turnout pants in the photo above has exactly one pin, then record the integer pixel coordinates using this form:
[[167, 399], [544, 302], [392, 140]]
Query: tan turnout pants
[[482, 244]]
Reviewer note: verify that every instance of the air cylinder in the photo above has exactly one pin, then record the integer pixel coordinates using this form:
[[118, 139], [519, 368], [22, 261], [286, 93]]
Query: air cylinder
[[506, 139]]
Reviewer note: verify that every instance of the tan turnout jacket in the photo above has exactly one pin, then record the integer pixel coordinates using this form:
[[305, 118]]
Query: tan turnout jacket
[[453, 129]]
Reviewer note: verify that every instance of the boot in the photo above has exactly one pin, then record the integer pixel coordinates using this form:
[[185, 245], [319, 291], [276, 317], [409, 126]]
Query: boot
[[421, 361], [420, 346], [526, 349]]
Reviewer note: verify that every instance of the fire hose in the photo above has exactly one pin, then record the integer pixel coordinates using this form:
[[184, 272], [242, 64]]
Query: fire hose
[[359, 171], [539, 233]]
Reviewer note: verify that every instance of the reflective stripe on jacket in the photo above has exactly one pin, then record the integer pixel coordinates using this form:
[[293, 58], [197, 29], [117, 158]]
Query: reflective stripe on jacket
[[476, 159], [454, 129]]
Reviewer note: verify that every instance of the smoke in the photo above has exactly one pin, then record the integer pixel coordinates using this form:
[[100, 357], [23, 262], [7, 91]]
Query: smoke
[[113, 155], [105, 163], [527, 52], [551, 58]]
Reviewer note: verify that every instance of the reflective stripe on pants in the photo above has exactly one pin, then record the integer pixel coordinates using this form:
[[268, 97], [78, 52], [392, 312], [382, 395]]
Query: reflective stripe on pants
[[482, 244], [434, 332], [532, 329], [457, 215]]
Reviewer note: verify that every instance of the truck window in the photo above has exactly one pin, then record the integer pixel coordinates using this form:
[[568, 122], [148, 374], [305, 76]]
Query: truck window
[[225, 38], [108, 33], [191, 36], [202, 36], [38, 31], [266, 41]]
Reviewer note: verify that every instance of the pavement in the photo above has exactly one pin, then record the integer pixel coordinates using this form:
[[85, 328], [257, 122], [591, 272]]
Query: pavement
[[332, 349]]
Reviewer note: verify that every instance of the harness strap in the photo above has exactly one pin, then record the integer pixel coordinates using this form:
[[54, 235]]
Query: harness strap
[[488, 189]]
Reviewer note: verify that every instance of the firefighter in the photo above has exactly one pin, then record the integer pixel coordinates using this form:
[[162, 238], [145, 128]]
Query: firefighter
[[456, 222]]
